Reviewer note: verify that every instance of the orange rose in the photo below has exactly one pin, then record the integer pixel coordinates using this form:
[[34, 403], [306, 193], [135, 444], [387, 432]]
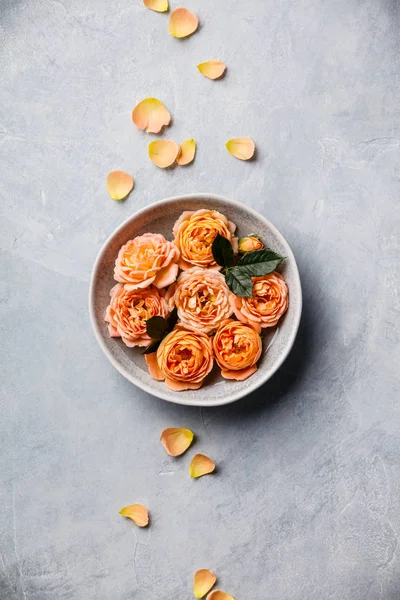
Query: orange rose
[[145, 260], [184, 358], [269, 302], [128, 311], [194, 234], [237, 347], [250, 242], [202, 299]]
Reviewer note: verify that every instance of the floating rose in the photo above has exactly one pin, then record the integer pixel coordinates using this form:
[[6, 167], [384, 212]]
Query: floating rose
[[269, 302], [183, 359], [202, 299], [194, 234], [145, 260], [237, 348], [128, 312]]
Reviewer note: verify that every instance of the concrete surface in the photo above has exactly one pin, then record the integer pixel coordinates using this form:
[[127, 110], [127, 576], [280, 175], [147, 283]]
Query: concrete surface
[[306, 501]]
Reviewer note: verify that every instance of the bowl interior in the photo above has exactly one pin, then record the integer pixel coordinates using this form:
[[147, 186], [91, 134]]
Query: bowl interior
[[160, 218]]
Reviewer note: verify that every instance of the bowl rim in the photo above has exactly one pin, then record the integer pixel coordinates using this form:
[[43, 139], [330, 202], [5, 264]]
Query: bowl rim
[[167, 395]]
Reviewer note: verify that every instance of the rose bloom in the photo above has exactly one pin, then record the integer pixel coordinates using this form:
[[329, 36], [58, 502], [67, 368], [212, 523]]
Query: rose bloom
[[202, 299], [145, 260], [183, 359], [128, 311], [269, 302], [194, 234], [250, 242], [237, 347]]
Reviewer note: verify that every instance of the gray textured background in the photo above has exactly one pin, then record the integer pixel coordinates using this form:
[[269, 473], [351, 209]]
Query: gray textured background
[[306, 501]]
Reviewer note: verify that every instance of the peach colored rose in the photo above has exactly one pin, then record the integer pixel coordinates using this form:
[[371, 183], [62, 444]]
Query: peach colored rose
[[202, 299], [237, 347], [128, 311], [183, 359], [269, 302], [194, 234], [249, 243], [145, 260]]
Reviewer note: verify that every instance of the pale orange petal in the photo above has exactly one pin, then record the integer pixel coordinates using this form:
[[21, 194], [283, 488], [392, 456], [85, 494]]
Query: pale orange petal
[[176, 440], [203, 582], [166, 276], [186, 152], [157, 5], [119, 184], [239, 375], [182, 23], [150, 114], [213, 69], [137, 513], [181, 386], [242, 148], [154, 369], [219, 595], [201, 465], [163, 153]]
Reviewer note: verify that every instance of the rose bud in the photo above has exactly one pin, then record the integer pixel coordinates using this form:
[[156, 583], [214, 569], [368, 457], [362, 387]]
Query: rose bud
[[250, 242]]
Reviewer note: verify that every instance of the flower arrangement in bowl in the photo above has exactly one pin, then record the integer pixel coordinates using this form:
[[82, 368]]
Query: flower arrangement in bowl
[[190, 311]]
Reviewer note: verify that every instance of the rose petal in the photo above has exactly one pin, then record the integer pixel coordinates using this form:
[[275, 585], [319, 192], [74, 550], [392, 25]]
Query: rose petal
[[213, 69], [201, 465], [240, 375], [119, 184], [176, 440], [203, 582], [163, 153], [166, 276], [242, 148], [157, 5], [183, 23], [186, 152], [154, 369], [150, 114], [137, 513], [219, 595], [181, 386]]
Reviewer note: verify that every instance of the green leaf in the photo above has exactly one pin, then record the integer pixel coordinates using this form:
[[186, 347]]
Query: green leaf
[[239, 282], [157, 328], [151, 347], [172, 319], [222, 251], [260, 262]]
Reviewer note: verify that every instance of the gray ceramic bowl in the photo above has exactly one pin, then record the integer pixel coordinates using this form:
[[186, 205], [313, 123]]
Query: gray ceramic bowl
[[159, 218]]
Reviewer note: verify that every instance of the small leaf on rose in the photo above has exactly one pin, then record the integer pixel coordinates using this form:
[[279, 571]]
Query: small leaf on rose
[[153, 347], [239, 282], [172, 319], [222, 251], [157, 327], [260, 262]]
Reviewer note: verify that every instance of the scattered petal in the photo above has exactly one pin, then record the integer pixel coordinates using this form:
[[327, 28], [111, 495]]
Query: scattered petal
[[176, 440], [182, 23], [219, 595], [150, 114], [242, 148], [157, 5], [213, 69], [163, 153], [186, 152], [201, 465], [119, 184], [137, 513], [203, 582]]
